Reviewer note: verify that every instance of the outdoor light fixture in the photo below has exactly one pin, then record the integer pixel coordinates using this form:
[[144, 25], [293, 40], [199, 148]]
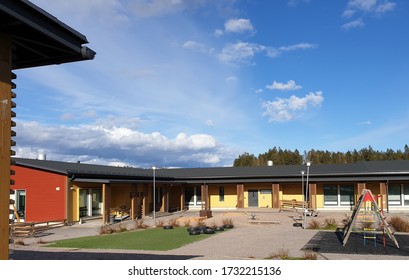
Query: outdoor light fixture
[[303, 192], [306, 194], [153, 199]]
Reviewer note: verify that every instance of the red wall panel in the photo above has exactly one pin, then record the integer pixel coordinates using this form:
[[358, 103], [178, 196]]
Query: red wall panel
[[45, 193]]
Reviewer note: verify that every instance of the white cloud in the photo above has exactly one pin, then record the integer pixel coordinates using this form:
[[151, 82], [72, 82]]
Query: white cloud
[[240, 52], [385, 7], [354, 24], [244, 52], [274, 52], [362, 5], [231, 79], [196, 46], [238, 25], [117, 144], [218, 33], [210, 123], [290, 85], [365, 123], [282, 109], [362, 8], [301, 46], [259, 90]]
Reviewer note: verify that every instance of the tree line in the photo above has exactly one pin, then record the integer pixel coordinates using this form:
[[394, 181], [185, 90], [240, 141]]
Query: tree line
[[288, 157]]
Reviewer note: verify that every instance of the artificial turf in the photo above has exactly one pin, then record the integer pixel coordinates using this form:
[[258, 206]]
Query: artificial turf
[[157, 239]]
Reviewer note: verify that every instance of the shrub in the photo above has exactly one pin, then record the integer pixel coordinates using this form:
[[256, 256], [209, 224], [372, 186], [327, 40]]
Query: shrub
[[227, 222], [141, 224], [399, 224], [200, 223], [330, 223], [187, 223], [120, 228], [280, 254], [106, 229], [160, 223], [173, 222], [41, 241], [310, 255], [314, 224]]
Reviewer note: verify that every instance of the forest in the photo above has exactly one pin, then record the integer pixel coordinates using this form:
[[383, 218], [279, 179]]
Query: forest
[[288, 157]]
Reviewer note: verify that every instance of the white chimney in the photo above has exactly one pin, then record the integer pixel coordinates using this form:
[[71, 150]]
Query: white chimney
[[41, 156], [269, 163]]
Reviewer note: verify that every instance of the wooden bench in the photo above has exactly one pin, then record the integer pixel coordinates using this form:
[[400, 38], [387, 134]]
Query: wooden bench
[[297, 206], [293, 205]]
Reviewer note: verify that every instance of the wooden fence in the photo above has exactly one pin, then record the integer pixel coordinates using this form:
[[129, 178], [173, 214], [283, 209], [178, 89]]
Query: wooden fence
[[30, 229]]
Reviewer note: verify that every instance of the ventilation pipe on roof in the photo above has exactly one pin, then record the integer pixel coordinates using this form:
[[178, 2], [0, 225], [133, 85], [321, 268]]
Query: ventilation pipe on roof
[[270, 163], [41, 156]]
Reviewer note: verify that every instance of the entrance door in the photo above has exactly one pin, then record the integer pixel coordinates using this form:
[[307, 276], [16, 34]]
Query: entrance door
[[253, 198]]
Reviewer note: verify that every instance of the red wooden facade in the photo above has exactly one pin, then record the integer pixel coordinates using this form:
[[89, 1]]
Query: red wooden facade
[[45, 193]]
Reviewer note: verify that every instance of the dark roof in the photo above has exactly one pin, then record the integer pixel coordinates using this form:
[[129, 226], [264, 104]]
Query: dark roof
[[39, 38], [360, 171]]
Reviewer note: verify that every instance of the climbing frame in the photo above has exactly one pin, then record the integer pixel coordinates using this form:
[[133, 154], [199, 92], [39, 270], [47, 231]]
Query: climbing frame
[[367, 218]]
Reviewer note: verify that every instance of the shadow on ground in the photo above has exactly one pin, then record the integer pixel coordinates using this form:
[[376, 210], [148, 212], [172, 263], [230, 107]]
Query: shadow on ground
[[42, 255], [331, 242]]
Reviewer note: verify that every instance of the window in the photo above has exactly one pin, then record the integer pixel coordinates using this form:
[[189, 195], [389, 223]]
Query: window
[[221, 193], [338, 195], [346, 194], [394, 194], [398, 194], [406, 194], [21, 203], [330, 195]]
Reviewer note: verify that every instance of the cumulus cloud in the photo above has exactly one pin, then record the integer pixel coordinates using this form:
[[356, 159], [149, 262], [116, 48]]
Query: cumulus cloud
[[241, 25], [290, 85], [238, 25], [117, 145], [240, 52], [282, 109]]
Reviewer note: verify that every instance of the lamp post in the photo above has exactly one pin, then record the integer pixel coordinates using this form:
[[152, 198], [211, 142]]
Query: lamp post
[[154, 198], [306, 193], [302, 190]]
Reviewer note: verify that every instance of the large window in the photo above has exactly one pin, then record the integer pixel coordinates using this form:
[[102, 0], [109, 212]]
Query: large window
[[193, 196], [394, 194], [398, 194], [338, 195]]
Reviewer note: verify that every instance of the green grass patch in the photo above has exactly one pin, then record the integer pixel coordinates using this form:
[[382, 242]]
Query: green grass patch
[[157, 239]]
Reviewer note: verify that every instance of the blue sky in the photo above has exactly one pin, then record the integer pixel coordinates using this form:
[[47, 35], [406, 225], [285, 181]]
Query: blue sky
[[196, 83]]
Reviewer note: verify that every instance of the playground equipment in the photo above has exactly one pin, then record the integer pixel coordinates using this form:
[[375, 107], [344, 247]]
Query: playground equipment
[[368, 219]]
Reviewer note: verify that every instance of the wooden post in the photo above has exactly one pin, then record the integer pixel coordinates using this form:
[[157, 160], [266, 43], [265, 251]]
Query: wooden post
[[165, 199], [360, 188], [240, 196], [182, 198], [313, 196], [5, 138], [275, 195], [106, 201], [134, 211], [383, 193]]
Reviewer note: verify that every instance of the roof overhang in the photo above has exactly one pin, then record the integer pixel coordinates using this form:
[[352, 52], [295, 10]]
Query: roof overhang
[[39, 38]]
